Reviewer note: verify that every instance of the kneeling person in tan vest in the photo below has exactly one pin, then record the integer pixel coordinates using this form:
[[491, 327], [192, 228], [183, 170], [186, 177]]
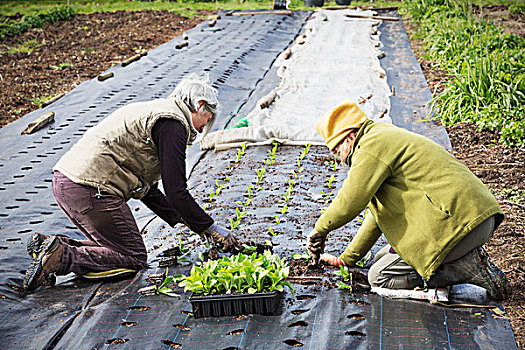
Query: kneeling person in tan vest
[[124, 157]]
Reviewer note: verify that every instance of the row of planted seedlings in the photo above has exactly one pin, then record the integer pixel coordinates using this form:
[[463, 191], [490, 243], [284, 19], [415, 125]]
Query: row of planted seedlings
[[253, 280], [264, 198]]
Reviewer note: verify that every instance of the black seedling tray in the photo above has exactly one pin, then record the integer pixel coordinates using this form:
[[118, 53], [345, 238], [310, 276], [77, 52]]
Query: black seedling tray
[[235, 304]]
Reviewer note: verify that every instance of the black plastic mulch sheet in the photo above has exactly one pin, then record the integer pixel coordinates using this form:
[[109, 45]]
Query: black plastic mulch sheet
[[76, 314]]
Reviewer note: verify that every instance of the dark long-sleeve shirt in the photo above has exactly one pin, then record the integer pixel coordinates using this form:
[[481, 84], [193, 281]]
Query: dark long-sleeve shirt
[[169, 135]]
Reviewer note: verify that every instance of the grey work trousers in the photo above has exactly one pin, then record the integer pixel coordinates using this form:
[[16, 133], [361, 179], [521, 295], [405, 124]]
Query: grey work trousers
[[390, 271], [113, 238]]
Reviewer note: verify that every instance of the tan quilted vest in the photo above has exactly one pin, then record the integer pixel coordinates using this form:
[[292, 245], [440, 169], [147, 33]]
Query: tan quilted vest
[[118, 155]]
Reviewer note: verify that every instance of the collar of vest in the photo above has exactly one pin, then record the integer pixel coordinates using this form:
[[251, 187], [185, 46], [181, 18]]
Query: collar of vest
[[187, 114]]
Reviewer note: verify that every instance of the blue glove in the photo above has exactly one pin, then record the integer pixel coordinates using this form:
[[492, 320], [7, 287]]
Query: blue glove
[[221, 236]]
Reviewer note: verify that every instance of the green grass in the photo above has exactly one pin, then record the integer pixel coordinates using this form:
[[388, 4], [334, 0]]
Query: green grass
[[187, 8], [487, 65], [25, 47], [89, 6]]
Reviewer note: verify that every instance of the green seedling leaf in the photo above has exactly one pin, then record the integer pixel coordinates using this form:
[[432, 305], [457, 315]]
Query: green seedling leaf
[[248, 249], [362, 262], [330, 181], [342, 285]]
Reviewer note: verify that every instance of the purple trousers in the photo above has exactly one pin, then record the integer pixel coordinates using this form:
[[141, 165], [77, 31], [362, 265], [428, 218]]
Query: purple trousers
[[113, 238]]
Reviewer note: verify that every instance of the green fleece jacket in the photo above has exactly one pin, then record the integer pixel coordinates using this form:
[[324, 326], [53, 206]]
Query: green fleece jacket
[[422, 198]]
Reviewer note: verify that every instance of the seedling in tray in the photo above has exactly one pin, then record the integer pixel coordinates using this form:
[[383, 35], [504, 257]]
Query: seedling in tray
[[239, 274]]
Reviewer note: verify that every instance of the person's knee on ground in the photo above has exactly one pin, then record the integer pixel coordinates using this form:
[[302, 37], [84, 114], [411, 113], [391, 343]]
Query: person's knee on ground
[[382, 252], [390, 271]]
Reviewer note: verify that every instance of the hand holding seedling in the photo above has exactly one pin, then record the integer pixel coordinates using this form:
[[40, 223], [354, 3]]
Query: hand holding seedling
[[222, 236]]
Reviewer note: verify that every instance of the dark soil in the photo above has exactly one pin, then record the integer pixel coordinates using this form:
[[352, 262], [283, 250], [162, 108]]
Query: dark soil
[[501, 169], [66, 53], [303, 273]]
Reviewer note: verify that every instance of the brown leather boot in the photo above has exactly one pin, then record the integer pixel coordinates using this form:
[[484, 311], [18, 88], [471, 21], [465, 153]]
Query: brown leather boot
[[474, 268], [44, 265]]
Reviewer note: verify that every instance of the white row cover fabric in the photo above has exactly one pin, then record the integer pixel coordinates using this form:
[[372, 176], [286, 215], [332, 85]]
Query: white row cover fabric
[[336, 58]]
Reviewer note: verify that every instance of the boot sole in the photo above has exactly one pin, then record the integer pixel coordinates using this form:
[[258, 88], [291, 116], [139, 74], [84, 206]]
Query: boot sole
[[34, 244], [30, 279]]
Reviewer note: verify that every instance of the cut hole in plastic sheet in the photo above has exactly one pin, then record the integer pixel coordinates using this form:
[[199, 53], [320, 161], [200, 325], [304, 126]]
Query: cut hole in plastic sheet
[[356, 317], [236, 332], [114, 341], [356, 334], [139, 308], [182, 327], [293, 342], [172, 344]]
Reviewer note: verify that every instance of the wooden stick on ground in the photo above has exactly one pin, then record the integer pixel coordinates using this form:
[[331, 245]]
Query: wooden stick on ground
[[39, 123], [54, 99], [382, 18]]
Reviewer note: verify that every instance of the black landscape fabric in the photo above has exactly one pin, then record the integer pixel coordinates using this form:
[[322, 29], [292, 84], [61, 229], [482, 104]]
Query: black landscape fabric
[[239, 56]]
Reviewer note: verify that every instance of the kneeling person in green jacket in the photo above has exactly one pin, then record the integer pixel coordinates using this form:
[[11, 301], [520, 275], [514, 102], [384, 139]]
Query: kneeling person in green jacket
[[434, 212]]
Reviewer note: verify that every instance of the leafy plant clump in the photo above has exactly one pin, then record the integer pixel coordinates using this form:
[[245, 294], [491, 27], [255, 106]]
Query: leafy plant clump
[[346, 276], [239, 274], [487, 65], [10, 27]]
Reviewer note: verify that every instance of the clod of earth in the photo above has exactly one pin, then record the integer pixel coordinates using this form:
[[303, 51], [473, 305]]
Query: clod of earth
[[168, 261], [156, 278], [147, 291]]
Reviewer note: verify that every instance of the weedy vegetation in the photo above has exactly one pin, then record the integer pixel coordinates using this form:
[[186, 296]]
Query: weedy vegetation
[[487, 65]]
